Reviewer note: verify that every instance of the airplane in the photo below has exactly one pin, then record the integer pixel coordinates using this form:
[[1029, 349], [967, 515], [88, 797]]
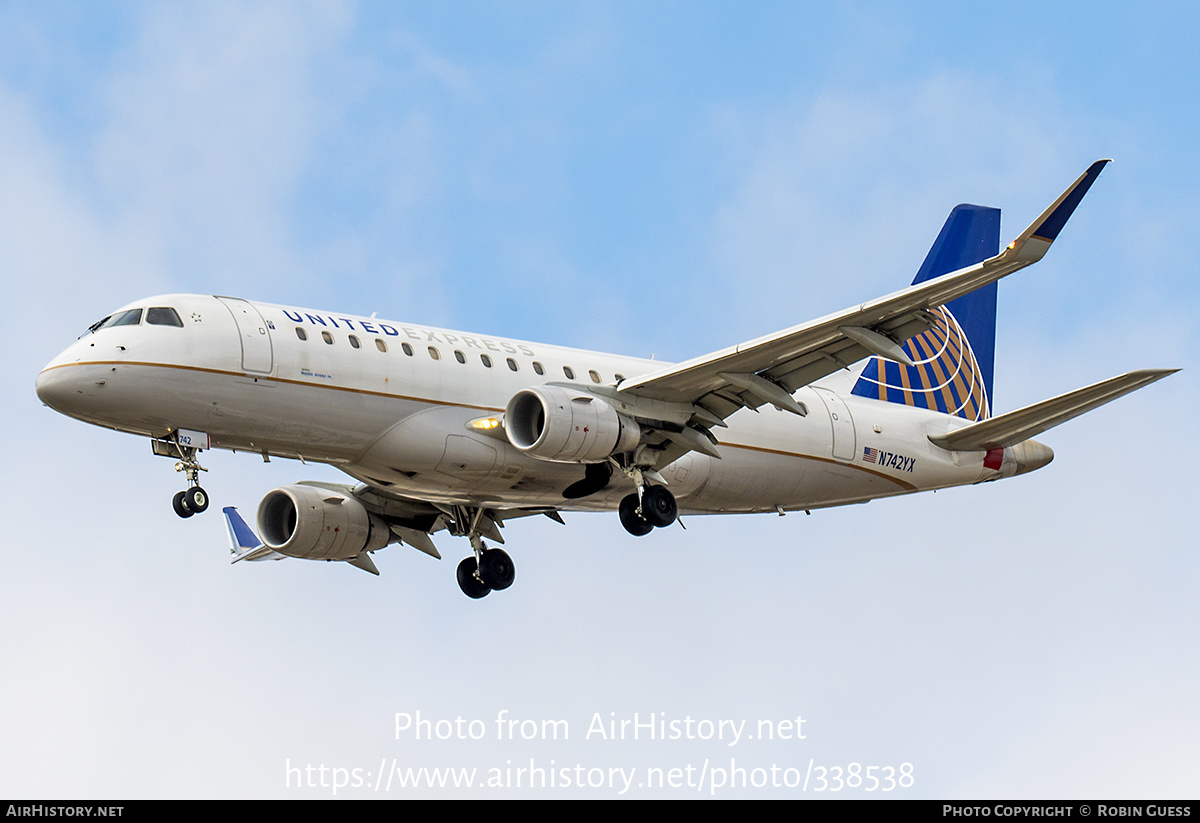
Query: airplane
[[445, 430]]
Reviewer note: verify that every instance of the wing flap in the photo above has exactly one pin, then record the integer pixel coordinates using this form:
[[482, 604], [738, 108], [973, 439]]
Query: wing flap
[[1020, 425]]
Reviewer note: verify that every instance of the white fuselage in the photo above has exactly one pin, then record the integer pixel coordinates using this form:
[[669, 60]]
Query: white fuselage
[[394, 411]]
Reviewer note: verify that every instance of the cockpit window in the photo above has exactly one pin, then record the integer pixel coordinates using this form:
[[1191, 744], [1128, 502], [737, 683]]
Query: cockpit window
[[131, 317], [126, 318], [163, 316]]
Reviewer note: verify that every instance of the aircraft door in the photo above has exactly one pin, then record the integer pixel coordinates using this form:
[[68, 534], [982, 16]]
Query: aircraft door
[[257, 355], [843, 424]]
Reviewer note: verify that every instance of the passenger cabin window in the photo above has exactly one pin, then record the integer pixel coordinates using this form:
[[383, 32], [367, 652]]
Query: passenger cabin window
[[354, 342], [379, 344], [595, 375], [569, 372], [163, 316], [301, 333], [459, 356], [512, 364], [327, 337], [434, 353], [407, 349], [485, 360], [538, 367]]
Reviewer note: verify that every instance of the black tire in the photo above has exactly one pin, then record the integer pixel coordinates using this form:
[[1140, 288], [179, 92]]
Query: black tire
[[630, 519], [196, 499], [180, 505], [497, 569], [658, 506], [471, 586]]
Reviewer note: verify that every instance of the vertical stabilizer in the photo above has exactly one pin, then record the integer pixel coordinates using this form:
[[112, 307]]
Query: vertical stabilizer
[[954, 361]]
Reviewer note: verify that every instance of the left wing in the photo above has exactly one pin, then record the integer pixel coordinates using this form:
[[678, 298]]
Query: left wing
[[769, 369]]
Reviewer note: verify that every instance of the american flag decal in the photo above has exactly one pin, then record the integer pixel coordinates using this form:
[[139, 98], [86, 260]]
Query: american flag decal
[[870, 455]]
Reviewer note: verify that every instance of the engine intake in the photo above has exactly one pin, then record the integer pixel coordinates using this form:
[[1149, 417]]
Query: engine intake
[[319, 524], [559, 424]]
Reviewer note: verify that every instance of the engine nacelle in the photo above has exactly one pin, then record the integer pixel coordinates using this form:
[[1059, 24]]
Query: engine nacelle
[[319, 524], [555, 423]]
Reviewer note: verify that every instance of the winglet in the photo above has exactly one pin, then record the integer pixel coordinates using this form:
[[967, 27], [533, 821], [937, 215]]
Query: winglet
[[242, 538], [243, 542], [1035, 240]]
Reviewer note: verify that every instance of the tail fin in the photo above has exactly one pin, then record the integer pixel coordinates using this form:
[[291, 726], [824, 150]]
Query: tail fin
[[954, 360]]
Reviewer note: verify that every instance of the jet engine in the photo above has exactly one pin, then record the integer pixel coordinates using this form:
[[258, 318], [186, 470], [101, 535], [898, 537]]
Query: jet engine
[[559, 424], [319, 524]]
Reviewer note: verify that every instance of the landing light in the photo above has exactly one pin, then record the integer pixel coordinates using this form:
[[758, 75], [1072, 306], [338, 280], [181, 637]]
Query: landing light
[[485, 423], [491, 426]]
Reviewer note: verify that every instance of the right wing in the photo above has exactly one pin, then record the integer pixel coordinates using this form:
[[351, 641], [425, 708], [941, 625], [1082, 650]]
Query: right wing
[[771, 368]]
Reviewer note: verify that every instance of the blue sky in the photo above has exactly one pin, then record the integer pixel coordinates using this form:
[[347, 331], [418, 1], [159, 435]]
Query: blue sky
[[665, 180]]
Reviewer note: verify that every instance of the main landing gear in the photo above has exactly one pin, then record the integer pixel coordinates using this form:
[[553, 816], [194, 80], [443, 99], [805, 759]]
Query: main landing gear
[[486, 570], [195, 499], [491, 570], [648, 508]]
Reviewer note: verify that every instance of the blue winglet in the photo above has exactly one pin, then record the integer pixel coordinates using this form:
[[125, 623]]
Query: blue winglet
[[242, 538], [1052, 223]]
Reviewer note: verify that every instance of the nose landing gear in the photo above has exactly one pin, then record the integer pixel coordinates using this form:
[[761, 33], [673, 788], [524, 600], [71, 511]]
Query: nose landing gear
[[194, 499]]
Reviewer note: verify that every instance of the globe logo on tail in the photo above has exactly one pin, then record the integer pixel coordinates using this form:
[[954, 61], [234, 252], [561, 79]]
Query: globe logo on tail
[[945, 376]]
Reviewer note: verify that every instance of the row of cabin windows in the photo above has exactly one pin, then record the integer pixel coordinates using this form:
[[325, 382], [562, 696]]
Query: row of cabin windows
[[434, 354]]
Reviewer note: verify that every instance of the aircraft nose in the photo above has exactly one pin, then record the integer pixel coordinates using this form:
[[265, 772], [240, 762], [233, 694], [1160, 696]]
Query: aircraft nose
[[50, 388], [62, 389]]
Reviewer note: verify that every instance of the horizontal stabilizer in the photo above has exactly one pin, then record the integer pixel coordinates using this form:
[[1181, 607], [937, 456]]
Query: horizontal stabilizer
[[1020, 425]]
